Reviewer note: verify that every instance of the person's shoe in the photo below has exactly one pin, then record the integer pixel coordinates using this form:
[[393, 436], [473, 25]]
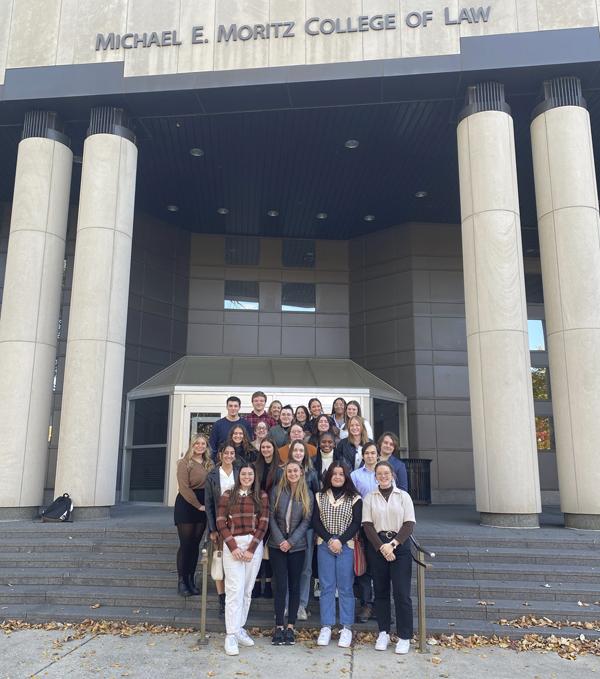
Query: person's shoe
[[182, 587], [221, 605], [317, 589], [231, 645], [268, 591], [290, 637], [403, 646], [364, 613], [324, 636], [382, 641], [257, 589], [190, 581], [278, 638], [243, 638], [345, 638], [302, 614]]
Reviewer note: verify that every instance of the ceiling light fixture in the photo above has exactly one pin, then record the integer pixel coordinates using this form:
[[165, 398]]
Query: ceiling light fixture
[[223, 211], [352, 144], [173, 208], [321, 215], [421, 194], [273, 213], [369, 218], [196, 152]]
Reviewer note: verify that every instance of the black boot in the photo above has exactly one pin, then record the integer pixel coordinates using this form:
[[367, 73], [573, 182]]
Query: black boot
[[221, 605], [182, 587], [268, 590], [257, 589], [190, 581]]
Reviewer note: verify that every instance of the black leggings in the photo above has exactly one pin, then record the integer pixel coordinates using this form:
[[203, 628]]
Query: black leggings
[[190, 535], [287, 568]]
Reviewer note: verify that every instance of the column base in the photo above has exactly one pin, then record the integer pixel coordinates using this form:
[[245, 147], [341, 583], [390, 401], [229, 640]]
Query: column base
[[88, 513], [509, 520], [583, 521], [17, 513]]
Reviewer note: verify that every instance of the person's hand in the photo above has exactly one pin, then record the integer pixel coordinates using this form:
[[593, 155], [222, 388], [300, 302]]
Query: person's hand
[[285, 546], [202, 508], [335, 546], [214, 536], [247, 556], [386, 549], [390, 557], [237, 554]]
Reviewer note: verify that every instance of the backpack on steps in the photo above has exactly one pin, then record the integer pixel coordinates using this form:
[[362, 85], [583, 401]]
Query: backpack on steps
[[60, 510]]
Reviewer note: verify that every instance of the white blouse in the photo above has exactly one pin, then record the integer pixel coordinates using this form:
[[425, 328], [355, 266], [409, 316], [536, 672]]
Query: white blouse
[[388, 515]]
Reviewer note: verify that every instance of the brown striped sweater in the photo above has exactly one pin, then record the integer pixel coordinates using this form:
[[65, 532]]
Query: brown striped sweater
[[242, 520]]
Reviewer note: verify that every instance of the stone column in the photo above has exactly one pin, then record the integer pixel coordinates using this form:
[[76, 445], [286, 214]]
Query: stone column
[[30, 310], [504, 445], [569, 232], [93, 384]]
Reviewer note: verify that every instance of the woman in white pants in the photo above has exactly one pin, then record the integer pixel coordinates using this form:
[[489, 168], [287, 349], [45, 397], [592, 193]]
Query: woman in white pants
[[242, 521]]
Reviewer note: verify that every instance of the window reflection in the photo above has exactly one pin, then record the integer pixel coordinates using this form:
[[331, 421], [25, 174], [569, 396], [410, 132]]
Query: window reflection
[[541, 387], [537, 341], [544, 433]]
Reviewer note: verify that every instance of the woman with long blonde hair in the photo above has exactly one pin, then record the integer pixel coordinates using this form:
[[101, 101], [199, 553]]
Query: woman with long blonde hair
[[289, 517], [190, 510], [349, 450]]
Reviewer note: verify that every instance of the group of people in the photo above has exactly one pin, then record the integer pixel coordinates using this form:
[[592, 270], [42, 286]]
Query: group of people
[[273, 485]]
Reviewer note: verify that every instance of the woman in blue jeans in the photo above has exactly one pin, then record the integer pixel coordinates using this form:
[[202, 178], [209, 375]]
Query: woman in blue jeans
[[336, 519]]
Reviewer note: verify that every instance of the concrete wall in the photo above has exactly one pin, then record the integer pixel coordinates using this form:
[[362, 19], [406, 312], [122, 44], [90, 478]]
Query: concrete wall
[[53, 32], [268, 332]]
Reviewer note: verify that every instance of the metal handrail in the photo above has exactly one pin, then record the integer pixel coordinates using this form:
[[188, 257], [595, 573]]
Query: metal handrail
[[203, 639], [422, 565]]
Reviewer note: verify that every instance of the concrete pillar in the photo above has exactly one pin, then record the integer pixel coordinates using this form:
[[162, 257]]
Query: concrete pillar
[[504, 446], [30, 310], [569, 232], [93, 384]]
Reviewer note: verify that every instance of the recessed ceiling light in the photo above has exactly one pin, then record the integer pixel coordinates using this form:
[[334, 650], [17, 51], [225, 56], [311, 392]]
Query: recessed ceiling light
[[321, 215], [196, 152], [369, 218], [223, 211], [273, 213], [173, 208], [421, 194], [352, 143]]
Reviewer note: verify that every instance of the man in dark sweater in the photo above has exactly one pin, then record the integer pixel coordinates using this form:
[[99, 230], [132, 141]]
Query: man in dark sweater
[[221, 428], [280, 433]]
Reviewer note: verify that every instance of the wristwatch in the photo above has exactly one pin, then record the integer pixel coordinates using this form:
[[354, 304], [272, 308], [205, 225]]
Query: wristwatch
[[394, 543]]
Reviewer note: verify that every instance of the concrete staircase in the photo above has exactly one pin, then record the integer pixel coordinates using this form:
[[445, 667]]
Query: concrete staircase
[[123, 569]]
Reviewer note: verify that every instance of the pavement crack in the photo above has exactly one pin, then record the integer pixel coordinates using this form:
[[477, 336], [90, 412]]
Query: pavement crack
[[351, 662], [54, 662]]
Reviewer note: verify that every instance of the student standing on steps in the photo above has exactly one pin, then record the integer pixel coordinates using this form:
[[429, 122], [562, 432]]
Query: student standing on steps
[[336, 520], [290, 514], [280, 433], [259, 414], [219, 480], [388, 521], [242, 521], [221, 428], [190, 512]]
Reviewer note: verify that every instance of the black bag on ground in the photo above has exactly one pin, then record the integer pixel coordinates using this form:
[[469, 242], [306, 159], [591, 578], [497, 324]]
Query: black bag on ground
[[60, 510]]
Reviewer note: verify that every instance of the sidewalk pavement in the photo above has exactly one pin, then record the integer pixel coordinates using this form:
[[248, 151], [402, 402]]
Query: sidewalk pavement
[[52, 654]]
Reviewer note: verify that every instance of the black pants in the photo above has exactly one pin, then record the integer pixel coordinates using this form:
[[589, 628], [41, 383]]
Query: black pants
[[287, 568], [190, 535], [398, 573]]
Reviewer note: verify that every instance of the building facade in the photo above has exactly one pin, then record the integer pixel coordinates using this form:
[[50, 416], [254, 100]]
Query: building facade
[[408, 185]]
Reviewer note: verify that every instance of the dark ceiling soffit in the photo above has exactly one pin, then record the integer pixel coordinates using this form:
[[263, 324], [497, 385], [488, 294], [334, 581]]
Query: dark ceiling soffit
[[478, 54]]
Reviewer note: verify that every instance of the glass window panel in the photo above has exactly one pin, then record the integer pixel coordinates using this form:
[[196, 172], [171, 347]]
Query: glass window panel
[[298, 297], [534, 292], [299, 253], [544, 433], [242, 250], [202, 423], [147, 479], [537, 342], [541, 385], [150, 420], [241, 295]]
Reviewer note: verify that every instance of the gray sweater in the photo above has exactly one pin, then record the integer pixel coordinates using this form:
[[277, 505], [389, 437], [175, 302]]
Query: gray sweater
[[299, 523]]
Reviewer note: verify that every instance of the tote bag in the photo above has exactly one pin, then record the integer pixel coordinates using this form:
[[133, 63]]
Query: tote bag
[[360, 560]]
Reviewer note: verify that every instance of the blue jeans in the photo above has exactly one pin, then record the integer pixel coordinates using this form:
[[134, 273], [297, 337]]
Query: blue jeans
[[336, 570], [307, 568]]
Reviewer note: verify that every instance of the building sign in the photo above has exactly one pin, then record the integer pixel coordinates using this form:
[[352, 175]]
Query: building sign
[[276, 30]]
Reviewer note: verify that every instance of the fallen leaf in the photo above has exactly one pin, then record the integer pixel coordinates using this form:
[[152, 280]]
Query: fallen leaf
[[95, 606], [436, 661]]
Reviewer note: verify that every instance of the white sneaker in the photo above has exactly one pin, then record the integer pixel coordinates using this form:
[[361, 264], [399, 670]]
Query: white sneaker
[[231, 645], [317, 589], [243, 638], [324, 636], [302, 614], [345, 638], [403, 646], [382, 641]]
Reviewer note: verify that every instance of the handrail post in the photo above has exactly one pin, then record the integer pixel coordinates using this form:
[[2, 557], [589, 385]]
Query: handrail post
[[421, 602], [203, 640]]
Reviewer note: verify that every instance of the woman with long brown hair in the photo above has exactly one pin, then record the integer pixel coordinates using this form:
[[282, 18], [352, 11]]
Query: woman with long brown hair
[[190, 511], [242, 521], [245, 453], [349, 450]]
